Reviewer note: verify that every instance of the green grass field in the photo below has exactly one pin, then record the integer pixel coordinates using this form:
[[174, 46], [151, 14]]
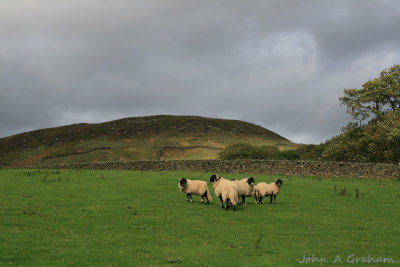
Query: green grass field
[[124, 218]]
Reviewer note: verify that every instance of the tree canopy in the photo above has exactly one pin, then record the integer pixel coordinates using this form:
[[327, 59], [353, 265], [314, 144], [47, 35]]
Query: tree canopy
[[379, 139], [376, 97], [377, 103]]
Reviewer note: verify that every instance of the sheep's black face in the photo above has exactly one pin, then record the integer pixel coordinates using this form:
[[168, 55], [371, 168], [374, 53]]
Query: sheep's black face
[[183, 181], [213, 178], [251, 181], [279, 182]]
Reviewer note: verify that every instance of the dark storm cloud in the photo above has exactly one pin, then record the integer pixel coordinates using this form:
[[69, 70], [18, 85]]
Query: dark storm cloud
[[280, 64]]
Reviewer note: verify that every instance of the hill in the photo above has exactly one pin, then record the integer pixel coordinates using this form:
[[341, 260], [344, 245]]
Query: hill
[[136, 138]]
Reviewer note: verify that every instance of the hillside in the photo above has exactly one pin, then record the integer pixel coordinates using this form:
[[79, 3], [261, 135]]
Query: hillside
[[136, 138]]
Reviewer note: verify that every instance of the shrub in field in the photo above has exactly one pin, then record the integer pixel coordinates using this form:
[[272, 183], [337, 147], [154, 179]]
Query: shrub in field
[[248, 151]]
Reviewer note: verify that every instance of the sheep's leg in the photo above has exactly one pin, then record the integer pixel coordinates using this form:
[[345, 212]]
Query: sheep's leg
[[260, 200], [234, 208], [205, 195], [227, 204], [187, 195], [190, 195], [275, 199], [222, 202], [270, 199], [244, 200], [202, 199]]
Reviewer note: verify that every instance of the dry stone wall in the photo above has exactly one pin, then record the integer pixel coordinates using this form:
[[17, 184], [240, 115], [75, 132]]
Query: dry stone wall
[[304, 168]]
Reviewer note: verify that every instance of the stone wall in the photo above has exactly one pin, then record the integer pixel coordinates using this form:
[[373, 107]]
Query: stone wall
[[305, 168]]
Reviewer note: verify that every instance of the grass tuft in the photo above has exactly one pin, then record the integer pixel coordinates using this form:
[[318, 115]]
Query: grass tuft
[[258, 242]]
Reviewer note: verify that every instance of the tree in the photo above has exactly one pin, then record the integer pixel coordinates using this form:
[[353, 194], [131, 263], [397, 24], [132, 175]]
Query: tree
[[248, 151], [236, 151], [377, 141], [376, 97]]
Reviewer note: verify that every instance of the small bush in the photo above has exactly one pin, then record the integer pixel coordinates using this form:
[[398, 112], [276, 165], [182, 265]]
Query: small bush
[[248, 151]]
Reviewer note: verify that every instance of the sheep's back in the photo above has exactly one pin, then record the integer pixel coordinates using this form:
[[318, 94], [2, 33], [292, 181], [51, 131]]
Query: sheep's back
[[220, 186], [197, 187], [231, 191], [244, 188], [264, 188]]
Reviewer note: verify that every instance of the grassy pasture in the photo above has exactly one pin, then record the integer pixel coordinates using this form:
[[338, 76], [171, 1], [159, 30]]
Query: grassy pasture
[[124, 218]]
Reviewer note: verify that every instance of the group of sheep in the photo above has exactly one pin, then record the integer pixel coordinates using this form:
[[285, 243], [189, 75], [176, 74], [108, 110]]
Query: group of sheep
[[229, 191]]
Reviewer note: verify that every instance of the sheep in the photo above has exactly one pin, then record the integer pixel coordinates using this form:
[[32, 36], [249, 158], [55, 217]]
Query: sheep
[[263, 189], [226, 190], [196, 187], [246, 188]]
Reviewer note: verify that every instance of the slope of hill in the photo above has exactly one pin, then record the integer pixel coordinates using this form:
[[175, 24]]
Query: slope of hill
[[136, 138]]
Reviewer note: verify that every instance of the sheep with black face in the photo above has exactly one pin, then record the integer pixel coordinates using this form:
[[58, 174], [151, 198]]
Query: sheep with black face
[[245, 187], [263, 189], [226, 190], [195, 187]]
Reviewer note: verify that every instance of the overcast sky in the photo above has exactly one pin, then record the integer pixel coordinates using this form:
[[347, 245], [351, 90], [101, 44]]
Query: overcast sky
[[279, 64]]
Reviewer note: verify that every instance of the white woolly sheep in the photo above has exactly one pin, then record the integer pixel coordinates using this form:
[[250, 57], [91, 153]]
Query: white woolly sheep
[[226, 190], [195, 187], [246, 188], [263, 189]]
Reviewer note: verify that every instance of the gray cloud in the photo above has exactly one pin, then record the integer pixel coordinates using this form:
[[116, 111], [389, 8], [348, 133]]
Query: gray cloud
[[282, 65]]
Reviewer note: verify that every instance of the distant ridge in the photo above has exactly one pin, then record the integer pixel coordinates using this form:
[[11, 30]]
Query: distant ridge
[[135, 138]]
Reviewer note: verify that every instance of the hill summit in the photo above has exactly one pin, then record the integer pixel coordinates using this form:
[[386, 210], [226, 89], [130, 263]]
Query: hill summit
[[136, 138]]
